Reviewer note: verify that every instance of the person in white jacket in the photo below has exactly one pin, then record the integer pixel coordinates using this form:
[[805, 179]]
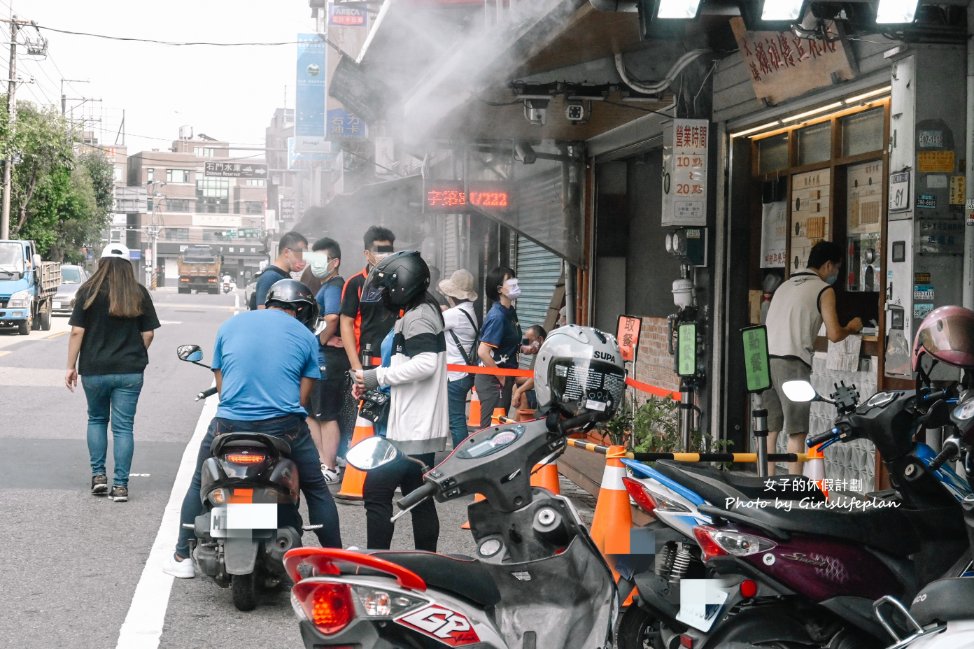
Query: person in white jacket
[[418, 421]]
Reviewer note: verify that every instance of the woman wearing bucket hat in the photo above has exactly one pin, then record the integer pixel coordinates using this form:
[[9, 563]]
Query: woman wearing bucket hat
[[460, 324]]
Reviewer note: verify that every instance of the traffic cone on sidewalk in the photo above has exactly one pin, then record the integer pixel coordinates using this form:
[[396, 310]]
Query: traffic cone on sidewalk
[[498, 415], [612, 521], [476, 498], [545, 475], [354, 479], [814, 468], [473, 419]]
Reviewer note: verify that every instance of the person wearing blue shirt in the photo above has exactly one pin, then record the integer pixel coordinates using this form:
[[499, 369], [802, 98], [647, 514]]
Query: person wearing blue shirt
[[500, 338], [265, 364], [329, 393], [290, 259]]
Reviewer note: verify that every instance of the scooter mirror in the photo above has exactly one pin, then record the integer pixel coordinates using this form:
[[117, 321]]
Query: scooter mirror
[[189, 353], [799, 391], [371, 453]]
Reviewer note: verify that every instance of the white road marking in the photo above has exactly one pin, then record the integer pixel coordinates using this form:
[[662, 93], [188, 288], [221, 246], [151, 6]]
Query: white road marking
[[143, 624], [170, 322]]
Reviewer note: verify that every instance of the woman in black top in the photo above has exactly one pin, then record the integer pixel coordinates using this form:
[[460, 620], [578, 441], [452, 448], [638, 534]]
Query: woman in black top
[[111, 329]]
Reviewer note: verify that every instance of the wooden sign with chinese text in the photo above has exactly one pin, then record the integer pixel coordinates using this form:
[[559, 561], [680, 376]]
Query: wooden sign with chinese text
[[782, 66], [627, 334]]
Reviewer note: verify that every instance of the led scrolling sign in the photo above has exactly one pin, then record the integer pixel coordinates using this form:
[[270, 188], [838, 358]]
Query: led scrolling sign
[[451, 197]]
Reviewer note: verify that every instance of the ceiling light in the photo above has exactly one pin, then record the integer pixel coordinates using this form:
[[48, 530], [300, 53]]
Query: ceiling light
[[763, 127], [677, 9], [896, 12], [867, 95], [814, 111], [776, 10]]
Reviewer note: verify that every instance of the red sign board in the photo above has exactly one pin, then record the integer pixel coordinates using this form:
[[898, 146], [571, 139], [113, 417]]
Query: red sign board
[[627, 333], [450, 196]]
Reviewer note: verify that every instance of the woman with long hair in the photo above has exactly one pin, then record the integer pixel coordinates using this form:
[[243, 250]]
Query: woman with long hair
[[418, 422], [111, 329]]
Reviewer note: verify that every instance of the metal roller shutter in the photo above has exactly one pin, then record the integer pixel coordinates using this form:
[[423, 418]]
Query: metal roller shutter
[[538, 272]]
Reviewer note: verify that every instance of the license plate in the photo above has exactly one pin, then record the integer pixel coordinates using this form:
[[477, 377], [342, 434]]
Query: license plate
[[218, 522], [57, 305], [701, 602], [239, 516]]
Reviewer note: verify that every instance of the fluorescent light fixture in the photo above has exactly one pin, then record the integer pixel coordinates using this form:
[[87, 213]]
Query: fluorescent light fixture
[[896, 12], [814, 111], [781, 10], [755, 129], [677, 9], [867, 95]]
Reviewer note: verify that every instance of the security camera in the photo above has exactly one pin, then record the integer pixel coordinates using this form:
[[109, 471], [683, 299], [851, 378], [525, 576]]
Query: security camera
[[575, 111], [535, 111]]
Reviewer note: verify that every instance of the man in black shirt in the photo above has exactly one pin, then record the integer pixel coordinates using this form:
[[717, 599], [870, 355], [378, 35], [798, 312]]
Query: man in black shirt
[[364, 320]]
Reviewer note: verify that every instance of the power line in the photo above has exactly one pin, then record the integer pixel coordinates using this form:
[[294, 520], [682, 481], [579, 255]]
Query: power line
[[153, 41]]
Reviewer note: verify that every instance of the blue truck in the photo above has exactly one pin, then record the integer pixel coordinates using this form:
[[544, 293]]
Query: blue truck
[[27, 286]]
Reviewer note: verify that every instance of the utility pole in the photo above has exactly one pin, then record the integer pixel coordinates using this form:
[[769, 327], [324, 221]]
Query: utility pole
[[11, 119], [64, 98]]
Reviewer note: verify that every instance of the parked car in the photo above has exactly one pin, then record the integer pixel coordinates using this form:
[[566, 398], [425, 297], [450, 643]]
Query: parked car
[[72, 277]]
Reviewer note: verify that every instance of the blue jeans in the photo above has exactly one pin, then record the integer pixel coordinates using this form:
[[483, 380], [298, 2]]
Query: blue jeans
[[112, 396], [456, 392], [293, 429]]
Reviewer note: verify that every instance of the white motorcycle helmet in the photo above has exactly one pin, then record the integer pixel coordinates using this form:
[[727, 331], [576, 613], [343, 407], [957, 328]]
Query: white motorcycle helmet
[[579, 370]]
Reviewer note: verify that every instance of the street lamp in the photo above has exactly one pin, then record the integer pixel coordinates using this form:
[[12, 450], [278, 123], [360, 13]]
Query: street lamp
[[151, 272]]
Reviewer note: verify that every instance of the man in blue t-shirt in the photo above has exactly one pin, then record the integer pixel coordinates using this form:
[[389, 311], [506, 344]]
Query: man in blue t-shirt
[[290, 259], [265, 364]]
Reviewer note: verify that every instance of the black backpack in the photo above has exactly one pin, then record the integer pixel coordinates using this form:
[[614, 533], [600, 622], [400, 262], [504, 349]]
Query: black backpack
[[252, 303]]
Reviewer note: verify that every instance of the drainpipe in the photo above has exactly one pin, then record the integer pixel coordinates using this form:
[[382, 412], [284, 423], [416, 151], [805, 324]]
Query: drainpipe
[[967, 298]]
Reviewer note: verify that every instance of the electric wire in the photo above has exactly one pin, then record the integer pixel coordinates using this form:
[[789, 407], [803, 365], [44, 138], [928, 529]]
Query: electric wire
[[154, 41]]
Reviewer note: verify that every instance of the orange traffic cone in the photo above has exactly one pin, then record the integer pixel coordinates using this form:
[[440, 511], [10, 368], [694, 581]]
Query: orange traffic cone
[[545, 475], [613, 518], [526, 414], [814, 468], [354, 479], [473, 419], [498, 415], [476, 498]]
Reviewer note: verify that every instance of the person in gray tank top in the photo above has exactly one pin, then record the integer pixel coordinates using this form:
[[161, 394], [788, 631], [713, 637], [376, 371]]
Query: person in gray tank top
[[799, 308]]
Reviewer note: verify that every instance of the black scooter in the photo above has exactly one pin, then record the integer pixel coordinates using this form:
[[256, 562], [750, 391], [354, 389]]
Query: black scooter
[[249, 490]]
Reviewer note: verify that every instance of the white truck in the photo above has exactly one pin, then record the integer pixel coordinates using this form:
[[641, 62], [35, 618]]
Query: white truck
[[27, 286]]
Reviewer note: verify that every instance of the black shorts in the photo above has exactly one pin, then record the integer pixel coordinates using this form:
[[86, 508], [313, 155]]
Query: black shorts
[[328, 393]]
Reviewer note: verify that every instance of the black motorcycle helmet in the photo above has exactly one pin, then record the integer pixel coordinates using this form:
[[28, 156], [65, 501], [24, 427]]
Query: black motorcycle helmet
[[401, 278], [293, 295]]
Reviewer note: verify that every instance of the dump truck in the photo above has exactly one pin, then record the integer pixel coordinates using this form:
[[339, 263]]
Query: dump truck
[[199, 270], [27, 286]]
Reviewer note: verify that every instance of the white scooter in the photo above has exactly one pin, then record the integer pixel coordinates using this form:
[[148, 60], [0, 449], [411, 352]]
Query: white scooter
[[538, 581]]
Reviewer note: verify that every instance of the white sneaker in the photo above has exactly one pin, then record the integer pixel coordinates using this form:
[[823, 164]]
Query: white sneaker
[[331, 475], [180, 569]]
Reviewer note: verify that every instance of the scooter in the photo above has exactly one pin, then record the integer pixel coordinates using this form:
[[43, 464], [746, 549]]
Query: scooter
[[228, 286], [681, 497], [249, 490], [537, 581], [941, 616]]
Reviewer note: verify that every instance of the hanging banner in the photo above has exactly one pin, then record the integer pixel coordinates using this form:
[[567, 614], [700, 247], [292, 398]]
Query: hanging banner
[[774, 234], [685, 152], [309, 114]]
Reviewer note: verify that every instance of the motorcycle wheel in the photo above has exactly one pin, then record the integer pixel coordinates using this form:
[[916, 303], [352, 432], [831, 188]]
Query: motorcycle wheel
[[638, 630], [244, 588]]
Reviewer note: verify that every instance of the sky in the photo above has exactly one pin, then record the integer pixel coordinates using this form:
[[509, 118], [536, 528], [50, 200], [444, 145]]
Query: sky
[[228, 93]]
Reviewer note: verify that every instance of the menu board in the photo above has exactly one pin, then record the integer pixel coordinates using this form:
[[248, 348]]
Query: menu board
[[810, 222]]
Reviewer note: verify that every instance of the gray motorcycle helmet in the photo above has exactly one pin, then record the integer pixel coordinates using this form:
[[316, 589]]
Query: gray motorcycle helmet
[[293, 295], [579, 370]]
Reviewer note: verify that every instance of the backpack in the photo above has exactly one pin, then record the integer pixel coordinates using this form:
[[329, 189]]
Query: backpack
[[471, 357], [252, 303]]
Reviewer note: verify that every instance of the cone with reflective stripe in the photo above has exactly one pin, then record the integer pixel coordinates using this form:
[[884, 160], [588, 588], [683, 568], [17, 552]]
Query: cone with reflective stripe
[[545, 475], [353, 480], [476, 498], [473, 419], [612, 522], [814, 468]]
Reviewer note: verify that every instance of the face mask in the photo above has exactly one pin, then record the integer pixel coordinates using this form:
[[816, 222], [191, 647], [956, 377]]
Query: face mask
[[832, 279], [513, 290], [319, 263]]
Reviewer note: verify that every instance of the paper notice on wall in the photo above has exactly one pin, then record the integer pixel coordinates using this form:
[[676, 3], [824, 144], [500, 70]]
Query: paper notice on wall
[[844, 356], [774, 234]]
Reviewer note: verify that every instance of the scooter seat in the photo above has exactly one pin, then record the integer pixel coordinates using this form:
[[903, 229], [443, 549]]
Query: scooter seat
[[461, 576], [790, 487], [241, 439], [944, 600]]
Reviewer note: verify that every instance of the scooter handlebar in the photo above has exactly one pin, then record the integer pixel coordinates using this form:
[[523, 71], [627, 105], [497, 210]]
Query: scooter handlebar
[[209, 392], [416, 496], [815, 440]]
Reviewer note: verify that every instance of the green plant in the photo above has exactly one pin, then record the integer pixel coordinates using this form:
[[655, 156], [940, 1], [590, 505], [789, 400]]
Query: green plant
[[619, 428], [656, 426]]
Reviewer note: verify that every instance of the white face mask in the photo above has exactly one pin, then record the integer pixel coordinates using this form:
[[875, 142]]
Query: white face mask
[[513, 290], [319, 263]]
